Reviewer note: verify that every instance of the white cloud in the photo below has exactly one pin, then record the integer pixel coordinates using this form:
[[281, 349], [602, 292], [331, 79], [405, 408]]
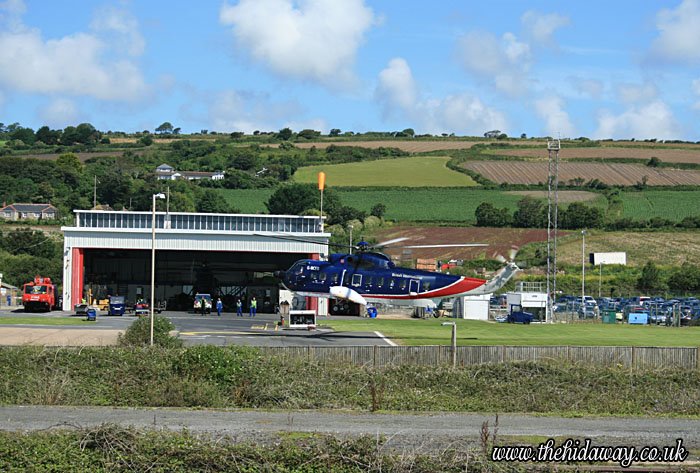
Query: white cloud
[[75, 64], [541, 27], [505, 62], [246, 111], [124, 28], [60, 113], [652, 120], [314, 40], [591, 88], [460, 113], [557, 121], [397, 88], [637, 93], [679, 34]]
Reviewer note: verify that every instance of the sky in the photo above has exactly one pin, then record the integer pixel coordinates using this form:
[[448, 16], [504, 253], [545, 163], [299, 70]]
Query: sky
[[601, 69]]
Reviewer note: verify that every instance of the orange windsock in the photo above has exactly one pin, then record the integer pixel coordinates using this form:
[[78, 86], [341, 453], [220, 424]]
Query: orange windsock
[[321, 180]]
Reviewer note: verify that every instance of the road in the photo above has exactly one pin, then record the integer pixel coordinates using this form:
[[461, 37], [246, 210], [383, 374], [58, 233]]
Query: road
[[193, 330], [403, 429]]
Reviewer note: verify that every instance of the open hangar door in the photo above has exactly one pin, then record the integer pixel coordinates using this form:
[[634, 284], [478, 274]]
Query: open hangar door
[[182, 274]]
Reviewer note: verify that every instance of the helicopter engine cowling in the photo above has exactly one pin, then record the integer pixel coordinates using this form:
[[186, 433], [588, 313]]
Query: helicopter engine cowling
[[345, 293]]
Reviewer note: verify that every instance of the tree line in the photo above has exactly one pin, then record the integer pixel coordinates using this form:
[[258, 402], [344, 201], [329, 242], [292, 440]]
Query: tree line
[[532, 213]]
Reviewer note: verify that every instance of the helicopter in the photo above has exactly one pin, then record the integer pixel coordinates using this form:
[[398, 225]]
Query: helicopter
[[369, 276]]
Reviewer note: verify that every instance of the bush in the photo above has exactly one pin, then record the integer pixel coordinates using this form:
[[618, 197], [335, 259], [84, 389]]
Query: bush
[[139, 333]]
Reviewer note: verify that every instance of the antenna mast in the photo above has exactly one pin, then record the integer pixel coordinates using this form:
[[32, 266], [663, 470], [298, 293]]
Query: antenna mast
[[553, 148]]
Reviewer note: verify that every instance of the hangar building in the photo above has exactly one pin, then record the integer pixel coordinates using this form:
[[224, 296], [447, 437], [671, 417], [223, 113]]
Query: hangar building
[[226, 255]]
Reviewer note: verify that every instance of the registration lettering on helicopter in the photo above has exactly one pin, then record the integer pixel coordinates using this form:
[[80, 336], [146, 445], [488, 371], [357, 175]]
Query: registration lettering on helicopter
[[313, 268]]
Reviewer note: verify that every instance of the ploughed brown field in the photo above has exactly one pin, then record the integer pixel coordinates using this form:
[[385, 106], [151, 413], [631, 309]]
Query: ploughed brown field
[[524, 172], [412, 146], [667, 155], [81, 156], [565, 197], [500, 241]]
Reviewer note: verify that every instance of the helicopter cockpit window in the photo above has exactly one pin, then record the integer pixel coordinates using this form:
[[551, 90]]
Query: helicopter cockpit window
[[369, 281], [297, 268], [335, 278], [403, 285], [322, 276], [380, 282], [313, 275], [392, 283], [426, 286], [356, 279]]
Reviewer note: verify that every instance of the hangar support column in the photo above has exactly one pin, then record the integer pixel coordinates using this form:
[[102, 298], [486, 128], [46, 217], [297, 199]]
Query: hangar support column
[[78, 267]]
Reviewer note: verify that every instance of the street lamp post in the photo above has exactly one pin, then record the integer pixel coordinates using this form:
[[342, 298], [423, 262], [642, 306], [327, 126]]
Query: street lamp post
[[453, 342], [153, 258], [350, 244], [583, 272]]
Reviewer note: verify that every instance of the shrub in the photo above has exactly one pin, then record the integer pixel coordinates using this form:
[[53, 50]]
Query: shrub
[[139, 333]]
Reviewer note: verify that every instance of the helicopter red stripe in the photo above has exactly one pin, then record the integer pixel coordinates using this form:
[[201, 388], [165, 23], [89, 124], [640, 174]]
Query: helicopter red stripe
[[460, 286]]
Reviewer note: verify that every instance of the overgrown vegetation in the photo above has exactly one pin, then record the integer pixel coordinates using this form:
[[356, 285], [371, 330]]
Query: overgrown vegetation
[[139, 333], [112, 448], [208, 376]]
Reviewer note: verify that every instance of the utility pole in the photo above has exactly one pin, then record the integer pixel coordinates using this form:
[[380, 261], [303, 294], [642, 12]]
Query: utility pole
[[583, 272], [94, 194]]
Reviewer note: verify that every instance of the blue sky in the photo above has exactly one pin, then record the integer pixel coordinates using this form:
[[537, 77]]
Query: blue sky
[[620, 69]]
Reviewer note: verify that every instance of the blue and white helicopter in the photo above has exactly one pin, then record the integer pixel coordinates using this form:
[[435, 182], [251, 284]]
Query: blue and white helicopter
[[368, 276]]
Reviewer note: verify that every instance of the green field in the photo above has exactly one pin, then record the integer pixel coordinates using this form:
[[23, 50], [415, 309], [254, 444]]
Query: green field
[[458, 204], [672, 205], [449, 205], [421, 171], [472, 332], [43, 321]]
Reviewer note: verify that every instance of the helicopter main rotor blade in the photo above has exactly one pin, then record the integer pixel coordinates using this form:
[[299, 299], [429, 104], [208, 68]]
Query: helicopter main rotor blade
[[390, 242], [456, 245], [301, 240]]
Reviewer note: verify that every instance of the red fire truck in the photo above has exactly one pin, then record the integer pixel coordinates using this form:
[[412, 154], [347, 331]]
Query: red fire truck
[[40, 294]]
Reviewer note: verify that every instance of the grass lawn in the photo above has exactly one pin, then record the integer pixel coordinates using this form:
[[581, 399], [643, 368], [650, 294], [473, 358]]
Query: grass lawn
[[44, 321], [472, 332], [421, 171], [668, 204]]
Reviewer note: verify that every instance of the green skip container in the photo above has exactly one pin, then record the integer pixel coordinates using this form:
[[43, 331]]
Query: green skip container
[[609, 317]]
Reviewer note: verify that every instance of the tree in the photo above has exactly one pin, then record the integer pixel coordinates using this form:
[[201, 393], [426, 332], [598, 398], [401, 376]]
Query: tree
[[69, 136], [284, 134], [530, 214], [294, 199], [654, 162], [212, 202], [87, 134], [308, 134], [685, 279], [489, 216], [492, 134], [69, 162], [146, 140], [650, 280], [334, 132], [28, 242], [378, 210], [166, 128], [409, 132], [25, 135], [47, 135], [578, 215]]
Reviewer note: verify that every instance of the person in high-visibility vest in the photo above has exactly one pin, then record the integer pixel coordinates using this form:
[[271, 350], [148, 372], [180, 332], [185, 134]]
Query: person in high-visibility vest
[[253, 307]]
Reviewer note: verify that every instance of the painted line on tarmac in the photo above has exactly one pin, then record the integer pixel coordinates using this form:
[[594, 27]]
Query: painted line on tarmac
[[380, 335], [194, 334]]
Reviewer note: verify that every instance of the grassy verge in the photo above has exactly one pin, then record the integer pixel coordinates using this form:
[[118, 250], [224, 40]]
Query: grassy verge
[[221, 377], [43, 321], [473, 332], [110, 448]]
